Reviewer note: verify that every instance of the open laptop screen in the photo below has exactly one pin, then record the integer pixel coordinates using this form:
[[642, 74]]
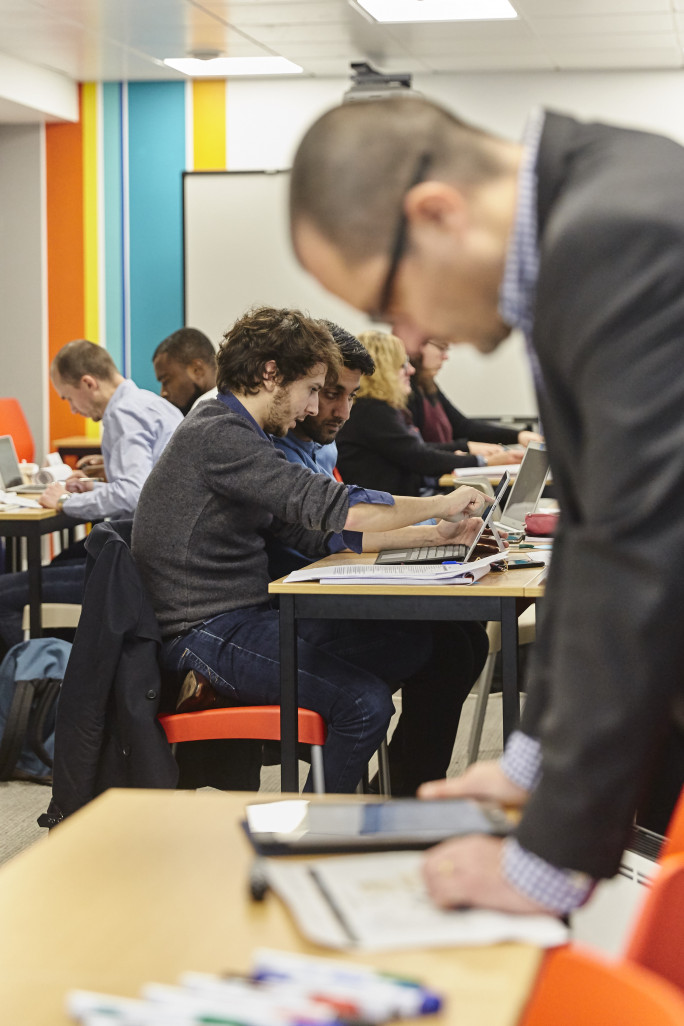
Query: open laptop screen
[[527, 488], [10, 474]]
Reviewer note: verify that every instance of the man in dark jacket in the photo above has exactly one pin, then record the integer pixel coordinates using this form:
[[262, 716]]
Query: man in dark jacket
[[576, 236]]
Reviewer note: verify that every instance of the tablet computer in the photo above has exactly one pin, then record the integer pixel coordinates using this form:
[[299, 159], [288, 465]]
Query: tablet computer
[[298, 825]]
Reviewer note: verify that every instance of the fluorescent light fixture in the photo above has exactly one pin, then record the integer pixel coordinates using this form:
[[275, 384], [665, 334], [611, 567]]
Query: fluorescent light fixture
[[399, 11], [224, 67]]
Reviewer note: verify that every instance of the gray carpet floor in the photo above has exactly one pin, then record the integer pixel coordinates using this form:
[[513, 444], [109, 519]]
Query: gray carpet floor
[[21, 803]]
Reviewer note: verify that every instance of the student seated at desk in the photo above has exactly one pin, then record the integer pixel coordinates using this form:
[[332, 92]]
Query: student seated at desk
[[136, 425], [220, 490], [438, 420], [185, 367], [380, 447], [433, 697]]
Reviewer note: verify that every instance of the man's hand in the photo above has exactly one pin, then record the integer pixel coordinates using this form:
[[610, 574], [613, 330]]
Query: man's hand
[[463, 502], [79, 483], [467, 871], [525, 437], [93, 466], [463, 532], [484, 780], [52, 494]]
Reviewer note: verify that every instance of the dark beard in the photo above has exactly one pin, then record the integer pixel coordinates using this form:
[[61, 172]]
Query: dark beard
[[197, 392]]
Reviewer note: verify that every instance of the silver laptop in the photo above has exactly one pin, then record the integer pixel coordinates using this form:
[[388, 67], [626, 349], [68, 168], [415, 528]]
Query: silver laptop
[[526, 491], [10, 472]]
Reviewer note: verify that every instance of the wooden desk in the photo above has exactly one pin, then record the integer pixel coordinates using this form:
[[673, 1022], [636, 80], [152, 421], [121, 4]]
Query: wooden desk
[[77, 445], [493, 598], [142, 885], [32, 524]]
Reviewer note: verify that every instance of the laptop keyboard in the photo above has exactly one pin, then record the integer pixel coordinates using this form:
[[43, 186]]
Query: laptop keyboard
[[425, 554]]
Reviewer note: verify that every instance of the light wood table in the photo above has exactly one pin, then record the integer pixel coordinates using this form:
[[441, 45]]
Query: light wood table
[[77, 445], [141, 885], [32, 524], [494, 597]]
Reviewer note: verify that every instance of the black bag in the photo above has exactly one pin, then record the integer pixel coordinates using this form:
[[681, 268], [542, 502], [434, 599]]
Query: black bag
[[30, 678]]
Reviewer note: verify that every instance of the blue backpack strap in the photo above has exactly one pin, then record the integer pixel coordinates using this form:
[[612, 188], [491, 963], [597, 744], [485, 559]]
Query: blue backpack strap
[[16, 725]]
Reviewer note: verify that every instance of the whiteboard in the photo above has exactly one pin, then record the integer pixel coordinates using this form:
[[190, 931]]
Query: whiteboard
[[237, 253]]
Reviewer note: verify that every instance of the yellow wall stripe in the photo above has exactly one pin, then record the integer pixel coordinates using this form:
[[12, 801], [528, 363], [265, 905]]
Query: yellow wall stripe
[[209, 124]]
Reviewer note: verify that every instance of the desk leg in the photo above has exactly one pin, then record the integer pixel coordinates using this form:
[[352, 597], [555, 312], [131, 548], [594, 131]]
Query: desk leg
[[509, 666], [289, 770], [35, 585]]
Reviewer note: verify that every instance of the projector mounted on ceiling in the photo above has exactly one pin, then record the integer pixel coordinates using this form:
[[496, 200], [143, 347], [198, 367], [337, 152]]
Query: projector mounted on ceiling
[[369, 84]]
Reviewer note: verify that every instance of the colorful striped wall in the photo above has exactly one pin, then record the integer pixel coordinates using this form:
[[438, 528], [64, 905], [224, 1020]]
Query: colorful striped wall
[[114, 218]]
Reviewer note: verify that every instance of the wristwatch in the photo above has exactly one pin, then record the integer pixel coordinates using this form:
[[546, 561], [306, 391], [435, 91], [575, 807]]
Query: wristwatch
[[62, 499]]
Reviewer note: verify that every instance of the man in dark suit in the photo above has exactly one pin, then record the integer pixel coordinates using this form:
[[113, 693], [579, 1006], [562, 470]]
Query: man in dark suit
[[575, 236]]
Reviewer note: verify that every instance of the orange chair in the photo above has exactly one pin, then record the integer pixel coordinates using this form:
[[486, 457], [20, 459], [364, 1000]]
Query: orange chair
[[576, 988], [249, 722], [14, 423], [657, 941]]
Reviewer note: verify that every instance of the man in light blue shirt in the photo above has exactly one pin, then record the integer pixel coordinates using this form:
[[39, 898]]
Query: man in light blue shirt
[[136, 425]]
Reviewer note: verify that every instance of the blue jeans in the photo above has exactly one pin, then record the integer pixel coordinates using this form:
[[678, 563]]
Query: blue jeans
[[347, 671]]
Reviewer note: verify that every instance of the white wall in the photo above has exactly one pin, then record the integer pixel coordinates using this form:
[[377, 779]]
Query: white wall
[[23, 338], [266, 119]]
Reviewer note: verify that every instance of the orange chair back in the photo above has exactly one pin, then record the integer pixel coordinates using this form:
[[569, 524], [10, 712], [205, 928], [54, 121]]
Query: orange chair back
[[14, 423], [576, 988], [657, 941]]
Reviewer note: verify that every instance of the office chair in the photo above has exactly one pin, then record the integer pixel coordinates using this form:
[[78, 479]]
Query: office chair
[[657, 940], [576, 987], [14, 423], [249, 722], [53, 614]]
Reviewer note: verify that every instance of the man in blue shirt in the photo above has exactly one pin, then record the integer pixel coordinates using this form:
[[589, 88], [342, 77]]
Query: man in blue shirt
[[136, 425], [433, 697]]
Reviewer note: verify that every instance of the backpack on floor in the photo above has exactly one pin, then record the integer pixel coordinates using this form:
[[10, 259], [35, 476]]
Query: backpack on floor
[[30, 677]]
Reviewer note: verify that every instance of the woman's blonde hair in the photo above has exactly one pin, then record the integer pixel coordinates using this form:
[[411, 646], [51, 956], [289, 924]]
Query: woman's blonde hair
[[389, 357]]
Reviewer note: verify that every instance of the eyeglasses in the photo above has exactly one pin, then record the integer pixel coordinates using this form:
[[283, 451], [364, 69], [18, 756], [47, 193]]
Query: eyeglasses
[[379, 315]]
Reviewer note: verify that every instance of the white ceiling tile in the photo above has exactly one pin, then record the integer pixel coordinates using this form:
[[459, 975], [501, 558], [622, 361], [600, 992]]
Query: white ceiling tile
[[495, 62], [581, 8], [413, 34], [605, 43], [284, 13], [603, 24], [321, 33], [598, 60]]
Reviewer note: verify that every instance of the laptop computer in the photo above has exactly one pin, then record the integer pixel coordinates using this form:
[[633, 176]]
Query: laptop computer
[[526, 491], [10, 471], [448, 552]]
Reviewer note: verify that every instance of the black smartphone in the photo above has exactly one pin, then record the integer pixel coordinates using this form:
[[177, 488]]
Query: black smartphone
[[516, 564]]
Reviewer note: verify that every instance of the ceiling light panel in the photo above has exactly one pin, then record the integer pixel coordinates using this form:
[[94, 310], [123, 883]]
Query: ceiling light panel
[[402, 11]]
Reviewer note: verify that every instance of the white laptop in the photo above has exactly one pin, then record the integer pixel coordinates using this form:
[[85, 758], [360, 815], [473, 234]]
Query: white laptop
[[526, 490], [10, 472]]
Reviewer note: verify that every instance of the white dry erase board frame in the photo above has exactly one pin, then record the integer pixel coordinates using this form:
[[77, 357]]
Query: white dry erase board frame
[[237, 253]]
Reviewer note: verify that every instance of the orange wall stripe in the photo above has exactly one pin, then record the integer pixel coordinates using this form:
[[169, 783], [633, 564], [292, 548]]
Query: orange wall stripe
[[65, 257], [209, 125]]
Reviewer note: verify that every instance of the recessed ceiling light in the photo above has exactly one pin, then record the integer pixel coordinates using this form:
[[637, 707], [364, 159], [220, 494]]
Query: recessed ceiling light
[[398, 11], [224, 67]]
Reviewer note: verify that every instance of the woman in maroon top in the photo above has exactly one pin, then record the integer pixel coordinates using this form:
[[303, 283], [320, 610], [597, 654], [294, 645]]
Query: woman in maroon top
[[439, 421]]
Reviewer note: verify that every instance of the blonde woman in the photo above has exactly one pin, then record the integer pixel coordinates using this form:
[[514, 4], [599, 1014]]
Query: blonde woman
[[379, 447]]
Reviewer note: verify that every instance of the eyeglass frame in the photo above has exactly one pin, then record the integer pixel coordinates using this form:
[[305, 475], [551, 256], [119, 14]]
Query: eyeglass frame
[[379, 314]]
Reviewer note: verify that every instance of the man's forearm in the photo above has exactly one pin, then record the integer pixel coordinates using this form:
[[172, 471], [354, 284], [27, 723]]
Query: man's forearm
[[401, 537], [408, 510]]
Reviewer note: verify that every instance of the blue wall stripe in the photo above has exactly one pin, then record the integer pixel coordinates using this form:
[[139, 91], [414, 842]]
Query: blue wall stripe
[[113, 222], [156, 160]]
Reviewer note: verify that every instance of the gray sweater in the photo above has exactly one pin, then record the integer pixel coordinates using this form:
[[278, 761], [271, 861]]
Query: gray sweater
[[217, 491]]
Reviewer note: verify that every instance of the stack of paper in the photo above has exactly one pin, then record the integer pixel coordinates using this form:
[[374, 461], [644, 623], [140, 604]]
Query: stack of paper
[[421, 573], [14, 501]]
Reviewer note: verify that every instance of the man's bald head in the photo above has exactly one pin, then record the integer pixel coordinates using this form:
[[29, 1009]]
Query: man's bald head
[[356, 162]]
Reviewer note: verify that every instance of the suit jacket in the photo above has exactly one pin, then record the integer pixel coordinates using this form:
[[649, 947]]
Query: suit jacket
[[377, 449], [609, 332]]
